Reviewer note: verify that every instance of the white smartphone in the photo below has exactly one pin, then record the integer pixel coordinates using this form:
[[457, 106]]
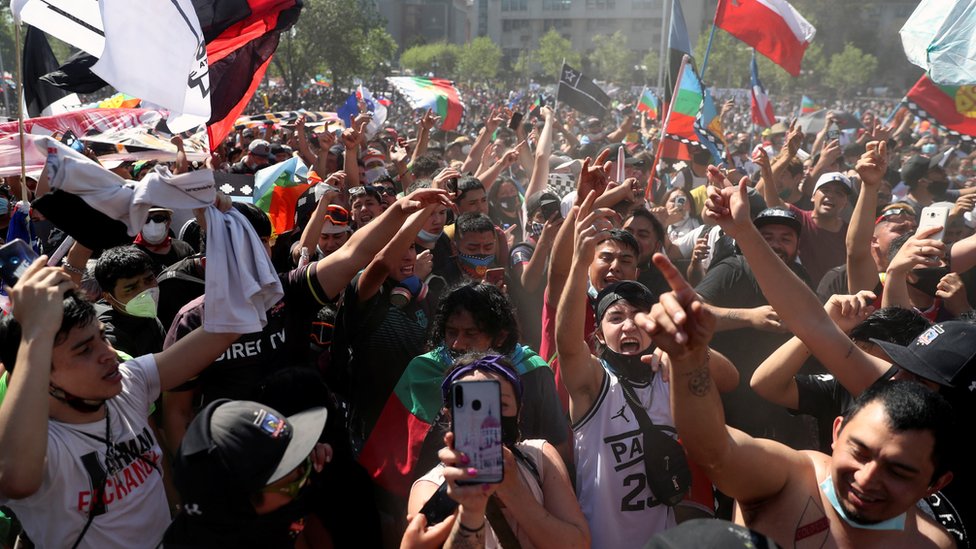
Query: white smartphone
[[476, 412], [934, 216]]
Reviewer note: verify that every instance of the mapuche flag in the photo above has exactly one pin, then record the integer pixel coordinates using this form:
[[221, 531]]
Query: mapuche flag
[[277, 192], [437, 94], [773, 27], [581, 93], [808, 106], [648, 104], [950, 108]]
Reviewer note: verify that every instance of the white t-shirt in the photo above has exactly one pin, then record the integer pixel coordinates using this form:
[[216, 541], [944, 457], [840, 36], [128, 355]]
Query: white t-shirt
[[696, 181], [611, 483], [136, 513]]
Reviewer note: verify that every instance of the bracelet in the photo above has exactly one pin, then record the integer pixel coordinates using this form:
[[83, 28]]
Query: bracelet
[[471, 530], [71, 268]]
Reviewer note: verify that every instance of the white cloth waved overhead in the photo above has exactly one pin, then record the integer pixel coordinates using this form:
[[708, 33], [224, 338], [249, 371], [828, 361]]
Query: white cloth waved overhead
[[241, 283]]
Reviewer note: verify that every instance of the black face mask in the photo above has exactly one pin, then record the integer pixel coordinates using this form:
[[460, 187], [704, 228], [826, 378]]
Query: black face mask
[[510, 430], [938, 188], [628, 367], [927, 279]]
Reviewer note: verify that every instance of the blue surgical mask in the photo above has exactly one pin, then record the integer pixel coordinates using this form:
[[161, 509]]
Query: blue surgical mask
[[428, 237], [894, 523]]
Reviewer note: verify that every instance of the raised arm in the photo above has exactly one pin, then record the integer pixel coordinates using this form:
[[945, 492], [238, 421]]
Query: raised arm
[[304, 150], [488, 176], [862, 272], [350, 160], [390, 257], [495, 119], [581, 374], [312, 230], [38, 307], [543, 150], [180, 165], [797, 306], [681, 326], [917, 250], [533, 274], [767, 181], [424, 126], [335, 271]]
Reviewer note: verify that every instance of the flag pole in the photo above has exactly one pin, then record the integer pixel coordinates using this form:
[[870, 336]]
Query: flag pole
[[559, 83], [649, 192], [25, 197], [708, 47], [662, 57]]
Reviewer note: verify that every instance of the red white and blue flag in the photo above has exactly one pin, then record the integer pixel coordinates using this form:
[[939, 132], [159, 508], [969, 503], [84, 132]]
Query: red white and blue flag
[[762, 108]]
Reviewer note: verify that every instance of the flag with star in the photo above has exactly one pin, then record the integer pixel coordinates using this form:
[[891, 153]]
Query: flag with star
[[581, 93]]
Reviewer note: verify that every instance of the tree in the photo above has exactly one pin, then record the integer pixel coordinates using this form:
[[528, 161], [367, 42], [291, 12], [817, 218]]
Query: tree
[[553, 50], [611, 59], [652, 64], [344, 36], [728, 61], [438, 58], [850, 69], [479, 59]]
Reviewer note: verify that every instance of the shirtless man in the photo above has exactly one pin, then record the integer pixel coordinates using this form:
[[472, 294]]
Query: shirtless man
[[888, 452]]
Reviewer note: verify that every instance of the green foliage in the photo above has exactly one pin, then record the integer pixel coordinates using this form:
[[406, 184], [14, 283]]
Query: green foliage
[[850, 70], [728, 62], [611, 59], [439, 58], [778, 81], [553, 50], [479, 59], [346, 37], [652, 64]]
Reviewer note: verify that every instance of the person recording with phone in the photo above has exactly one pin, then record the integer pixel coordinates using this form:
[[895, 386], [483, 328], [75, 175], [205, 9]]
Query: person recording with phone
[[533, 503]]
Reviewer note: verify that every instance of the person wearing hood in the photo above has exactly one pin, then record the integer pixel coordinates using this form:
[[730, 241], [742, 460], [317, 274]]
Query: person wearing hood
[[632, 479], [156, 241], [130, 296]]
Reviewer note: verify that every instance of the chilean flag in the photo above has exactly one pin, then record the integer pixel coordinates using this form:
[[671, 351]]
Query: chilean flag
[[762, 109], [773, 27]]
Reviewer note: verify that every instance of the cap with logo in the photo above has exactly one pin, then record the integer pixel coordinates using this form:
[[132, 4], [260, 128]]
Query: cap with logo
[[944, 354], [778, 216], [259, 147]]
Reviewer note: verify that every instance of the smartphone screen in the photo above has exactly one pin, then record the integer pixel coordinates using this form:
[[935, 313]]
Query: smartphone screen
[[495, 276], [15, 257], [476, 424]]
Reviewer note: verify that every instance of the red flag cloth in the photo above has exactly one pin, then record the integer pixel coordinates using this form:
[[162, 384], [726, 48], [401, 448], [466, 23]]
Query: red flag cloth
[[246, 38], [950, 108], [773, 27]]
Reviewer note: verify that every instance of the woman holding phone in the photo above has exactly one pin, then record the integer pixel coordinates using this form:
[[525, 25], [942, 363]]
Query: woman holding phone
[[533, 504]]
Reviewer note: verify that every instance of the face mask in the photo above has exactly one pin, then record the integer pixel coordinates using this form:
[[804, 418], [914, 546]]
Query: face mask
[[476, 264], [928, 148], [373, 174], [938, 188], [144, 304], [628, 367], [429, 238], [510, 430], [927, 279], [153, 232], [895, 523], [535, 229], [507, 204], [4, 206]]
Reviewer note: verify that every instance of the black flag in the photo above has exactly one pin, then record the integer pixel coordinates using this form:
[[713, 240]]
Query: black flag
[[38, 61], [581, 93], [75, 75]]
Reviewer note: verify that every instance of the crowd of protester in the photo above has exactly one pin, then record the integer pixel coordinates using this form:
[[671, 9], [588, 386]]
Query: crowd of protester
[[781, 312]]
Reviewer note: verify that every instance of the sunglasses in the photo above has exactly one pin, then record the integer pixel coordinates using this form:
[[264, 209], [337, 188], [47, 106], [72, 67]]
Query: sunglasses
[[357, 191], [293, 488], [158, 218], [337, 215]]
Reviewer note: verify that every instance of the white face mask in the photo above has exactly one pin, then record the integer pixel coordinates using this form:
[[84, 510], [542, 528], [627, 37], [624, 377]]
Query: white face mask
[[154, 232], [373, 174], [144, 304]]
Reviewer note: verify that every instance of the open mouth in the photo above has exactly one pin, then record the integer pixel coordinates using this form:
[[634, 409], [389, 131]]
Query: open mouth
[[861, 499], [629, 346], [114, 375], [407, 270]]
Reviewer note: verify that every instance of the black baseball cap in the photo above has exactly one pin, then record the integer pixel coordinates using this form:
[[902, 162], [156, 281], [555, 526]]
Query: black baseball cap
[[246, 444], [916, 167], [944, 354], [633, 292], [777, 216], [540, 199]]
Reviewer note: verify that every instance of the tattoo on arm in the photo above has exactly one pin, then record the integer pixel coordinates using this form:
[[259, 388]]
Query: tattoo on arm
[[732, 315], [850, 351], [463, 538], [700, 381]]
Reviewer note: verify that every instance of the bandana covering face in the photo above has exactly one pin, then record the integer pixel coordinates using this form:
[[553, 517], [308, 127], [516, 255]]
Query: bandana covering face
[[476, 265], [894, 523]]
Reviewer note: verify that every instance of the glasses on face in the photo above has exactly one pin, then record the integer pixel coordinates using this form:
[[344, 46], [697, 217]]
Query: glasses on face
[[337, 216], [378, 189], [294, 487], [158, 218]]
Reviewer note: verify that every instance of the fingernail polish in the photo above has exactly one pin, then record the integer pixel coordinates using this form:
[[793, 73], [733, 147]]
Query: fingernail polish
[[472, 472]]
